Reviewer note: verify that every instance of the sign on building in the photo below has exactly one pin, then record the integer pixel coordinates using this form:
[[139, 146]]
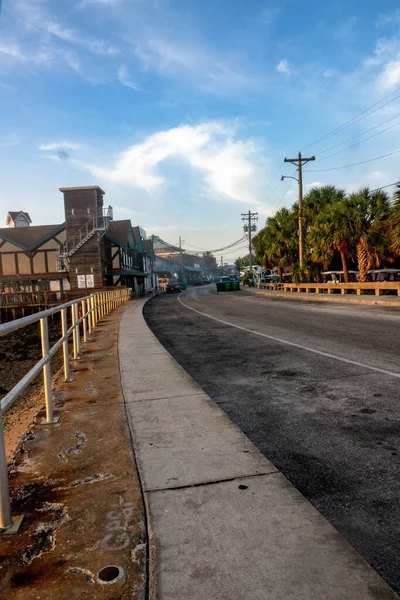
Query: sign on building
[[86, 281]]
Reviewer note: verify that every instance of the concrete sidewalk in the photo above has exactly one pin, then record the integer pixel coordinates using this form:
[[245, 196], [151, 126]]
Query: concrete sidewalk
[[224, 522], [388, 300]]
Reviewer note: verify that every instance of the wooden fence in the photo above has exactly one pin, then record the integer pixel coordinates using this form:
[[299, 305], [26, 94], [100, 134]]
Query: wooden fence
[[377, 288]]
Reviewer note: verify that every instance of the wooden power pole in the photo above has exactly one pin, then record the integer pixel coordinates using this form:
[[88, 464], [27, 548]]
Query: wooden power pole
[[299, 162], [250, 218]]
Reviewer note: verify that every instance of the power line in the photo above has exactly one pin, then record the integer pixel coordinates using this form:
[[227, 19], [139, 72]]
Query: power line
[[386, 186], [362, 162], [356, 136], [368, 111], [357, 143], [219, 249], [283, 195]]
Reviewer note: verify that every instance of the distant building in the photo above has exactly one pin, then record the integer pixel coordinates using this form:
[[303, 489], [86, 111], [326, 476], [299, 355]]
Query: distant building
[[18, 219], [89, 250], [172, 262]]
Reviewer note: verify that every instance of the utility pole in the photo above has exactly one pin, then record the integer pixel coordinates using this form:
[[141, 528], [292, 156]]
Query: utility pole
[[300, 161], [181, 260], [251, 218], [222, 261]]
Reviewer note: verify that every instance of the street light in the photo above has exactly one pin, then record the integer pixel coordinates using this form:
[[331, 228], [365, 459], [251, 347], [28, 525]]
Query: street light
[[289, 177]]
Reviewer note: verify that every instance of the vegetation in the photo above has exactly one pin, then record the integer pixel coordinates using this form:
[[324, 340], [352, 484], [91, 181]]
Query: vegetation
[[341, 231], [243, 261]]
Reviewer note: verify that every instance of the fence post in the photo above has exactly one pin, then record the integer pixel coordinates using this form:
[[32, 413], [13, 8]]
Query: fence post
[[5, 508], [89, 320], [64, 325], [74, 332], [78, 338], [83, 303], [44, 333], [93, 313]]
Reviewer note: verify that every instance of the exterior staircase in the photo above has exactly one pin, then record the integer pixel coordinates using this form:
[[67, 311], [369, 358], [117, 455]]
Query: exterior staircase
[[95, 225]]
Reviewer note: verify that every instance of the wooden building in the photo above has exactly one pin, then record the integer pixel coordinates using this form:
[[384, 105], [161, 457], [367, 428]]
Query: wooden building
[[89, 250]]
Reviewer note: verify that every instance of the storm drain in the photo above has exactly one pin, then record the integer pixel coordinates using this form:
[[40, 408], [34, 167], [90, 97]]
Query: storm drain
[[110, 574]]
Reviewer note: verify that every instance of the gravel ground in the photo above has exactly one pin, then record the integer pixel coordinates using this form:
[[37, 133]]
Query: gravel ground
[[333, 428]]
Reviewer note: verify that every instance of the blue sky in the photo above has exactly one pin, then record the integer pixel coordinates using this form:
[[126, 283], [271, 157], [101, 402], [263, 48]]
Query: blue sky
[[184, 110]]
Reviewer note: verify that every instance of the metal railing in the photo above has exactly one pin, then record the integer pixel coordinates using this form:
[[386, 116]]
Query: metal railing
[[92, 309]]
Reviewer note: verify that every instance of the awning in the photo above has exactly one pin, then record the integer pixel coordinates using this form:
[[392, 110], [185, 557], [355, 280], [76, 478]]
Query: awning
[[134, 273]]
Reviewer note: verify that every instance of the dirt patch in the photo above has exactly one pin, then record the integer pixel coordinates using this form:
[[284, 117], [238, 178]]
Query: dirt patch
[[19, 352], [85, 512]]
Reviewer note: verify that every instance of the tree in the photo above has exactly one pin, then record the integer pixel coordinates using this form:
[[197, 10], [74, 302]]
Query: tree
[[242, 262], [333, 229], [369, 213], [209, 261], [393, 224], [276, 245]]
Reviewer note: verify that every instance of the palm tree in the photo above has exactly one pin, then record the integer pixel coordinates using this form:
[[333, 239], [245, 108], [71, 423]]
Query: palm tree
[[276, 245], [394, 223], [369, 213], [332, 230], [318, 198], [317, 246]]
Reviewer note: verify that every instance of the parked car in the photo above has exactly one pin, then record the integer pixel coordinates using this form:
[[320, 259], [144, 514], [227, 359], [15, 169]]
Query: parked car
[[173, 286]]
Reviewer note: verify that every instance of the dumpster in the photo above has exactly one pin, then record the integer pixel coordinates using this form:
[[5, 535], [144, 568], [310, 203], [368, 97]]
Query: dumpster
[[235, 285]]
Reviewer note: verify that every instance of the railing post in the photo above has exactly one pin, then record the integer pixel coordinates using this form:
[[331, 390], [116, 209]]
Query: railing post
[[78, 338], [64, 326], [74, 332], [5, 508], [44, 333], [83, 303], [96, 307], [89, 319], [91, 300]]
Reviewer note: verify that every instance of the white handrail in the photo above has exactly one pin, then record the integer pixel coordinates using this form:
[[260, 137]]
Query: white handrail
[[93, 308]]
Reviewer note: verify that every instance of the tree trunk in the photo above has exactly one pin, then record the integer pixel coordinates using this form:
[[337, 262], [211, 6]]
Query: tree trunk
[[345, 268], [362, 259], [280, 274]]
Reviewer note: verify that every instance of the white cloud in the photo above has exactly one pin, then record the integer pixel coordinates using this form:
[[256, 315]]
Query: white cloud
[[284, 67], [269, 14], [10, 139], [315, 184], [390, 75], [59, 146], [206, 68], [227, 165], [126, 79], [69, 35], [388, 19], [101, 2]]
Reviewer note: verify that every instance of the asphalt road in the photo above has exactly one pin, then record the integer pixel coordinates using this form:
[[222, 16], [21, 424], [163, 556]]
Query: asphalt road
[[321, 400]]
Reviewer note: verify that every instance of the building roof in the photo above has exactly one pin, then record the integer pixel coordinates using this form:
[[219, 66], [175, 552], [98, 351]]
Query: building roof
[[118, 231], [148, 247], [138, 238], [159, 244], [29, 238], [15, 214], [83, 187]]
